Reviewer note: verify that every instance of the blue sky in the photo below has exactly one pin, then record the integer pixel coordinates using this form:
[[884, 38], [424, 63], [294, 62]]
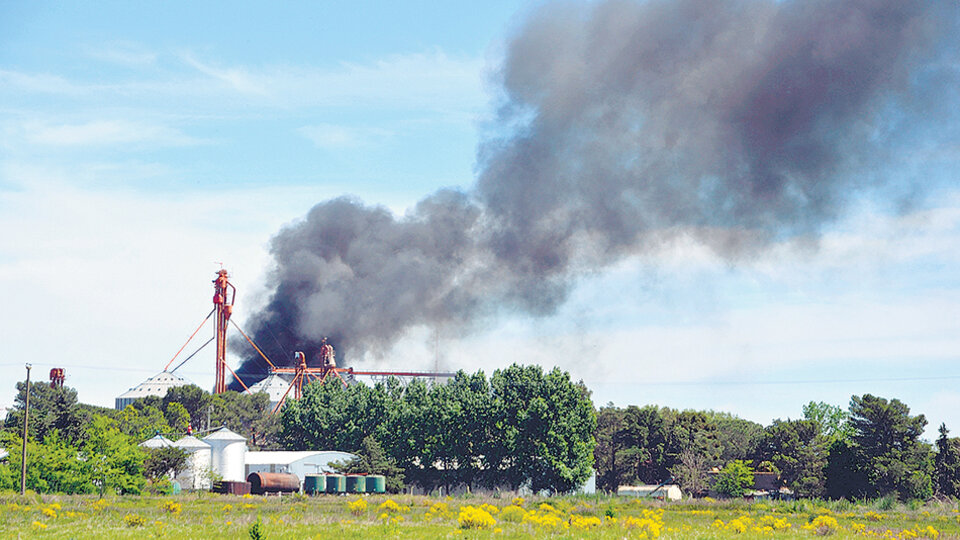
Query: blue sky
[[140, 143]]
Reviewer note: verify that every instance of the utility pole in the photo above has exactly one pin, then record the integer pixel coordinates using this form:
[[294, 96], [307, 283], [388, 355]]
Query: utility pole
[[23, 451]]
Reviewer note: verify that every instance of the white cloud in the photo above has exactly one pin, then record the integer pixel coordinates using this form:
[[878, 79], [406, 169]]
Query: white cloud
[[104, 133], [333, 136]]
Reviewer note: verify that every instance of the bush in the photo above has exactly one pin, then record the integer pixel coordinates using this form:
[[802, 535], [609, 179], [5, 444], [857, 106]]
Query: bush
[[134, 520], [472, 517], [734, 479]]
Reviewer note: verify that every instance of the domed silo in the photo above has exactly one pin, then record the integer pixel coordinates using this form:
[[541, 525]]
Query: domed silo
[[197, 473], [157, 441], [227, 454]]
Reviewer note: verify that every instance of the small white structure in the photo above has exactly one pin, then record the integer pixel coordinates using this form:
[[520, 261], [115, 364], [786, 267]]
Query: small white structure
[[157, 441], [298, 463], [3, 454], [158, 385], [670, 492], [227, 454], [274, 386], [197, 473]]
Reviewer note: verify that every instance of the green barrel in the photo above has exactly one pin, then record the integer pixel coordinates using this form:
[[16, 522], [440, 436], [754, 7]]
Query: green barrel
[[376, 483], [336, 483], [314, 483], [356, 483]]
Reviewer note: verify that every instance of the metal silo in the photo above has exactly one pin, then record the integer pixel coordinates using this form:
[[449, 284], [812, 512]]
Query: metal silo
[[197, 473], [227, 453]]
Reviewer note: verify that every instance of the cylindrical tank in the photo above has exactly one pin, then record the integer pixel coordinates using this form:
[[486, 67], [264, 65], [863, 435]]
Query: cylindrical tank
[[227, 454], [356, 483], [336, 483], [196, 475], [265, 482], [314, 484], [376, 483]]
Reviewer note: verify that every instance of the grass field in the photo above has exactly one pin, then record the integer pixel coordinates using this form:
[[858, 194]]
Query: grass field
[[343, 517]]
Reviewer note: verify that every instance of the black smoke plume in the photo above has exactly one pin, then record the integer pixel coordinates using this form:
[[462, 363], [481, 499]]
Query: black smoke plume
[[625, 124]]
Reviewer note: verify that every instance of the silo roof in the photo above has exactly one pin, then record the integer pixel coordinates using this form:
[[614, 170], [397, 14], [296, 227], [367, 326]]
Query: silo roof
[[157, 441], [190, 441], [158, 385], [224, 434]]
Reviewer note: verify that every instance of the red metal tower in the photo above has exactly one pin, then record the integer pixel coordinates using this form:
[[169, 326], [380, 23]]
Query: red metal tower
[[223, 297]]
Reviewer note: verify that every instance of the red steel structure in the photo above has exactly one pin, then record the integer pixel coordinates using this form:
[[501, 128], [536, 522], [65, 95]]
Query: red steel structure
[[223, 296], [57, 377]]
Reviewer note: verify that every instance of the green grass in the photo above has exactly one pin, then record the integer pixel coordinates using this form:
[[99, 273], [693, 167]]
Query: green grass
[[220, 516]]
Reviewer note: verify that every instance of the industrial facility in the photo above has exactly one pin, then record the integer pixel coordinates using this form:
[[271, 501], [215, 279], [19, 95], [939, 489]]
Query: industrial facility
[[279, 383], [223, 455]]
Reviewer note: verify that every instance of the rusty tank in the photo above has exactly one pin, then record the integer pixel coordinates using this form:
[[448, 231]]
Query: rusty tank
[[266, 482]]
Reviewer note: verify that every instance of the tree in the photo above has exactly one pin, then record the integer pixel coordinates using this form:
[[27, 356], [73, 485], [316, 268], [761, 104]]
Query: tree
[[691, 472], [164, 461], [887, 449], [797, 449], [50, 409], [946, 465], [694, 431], [734, 479], [631, 446], [545, 425], [738, 438], [833, 422], [371, 459], [141, 424], [116, 460]]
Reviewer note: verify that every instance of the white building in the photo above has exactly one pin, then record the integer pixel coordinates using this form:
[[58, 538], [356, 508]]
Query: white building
[[298, 463], [197, 473], [669, 492], [227, 451], [158, 385]]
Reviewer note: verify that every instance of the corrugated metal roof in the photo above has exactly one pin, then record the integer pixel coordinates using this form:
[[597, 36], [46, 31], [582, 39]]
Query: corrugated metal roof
[[286, 458], [275, 386], [158, 385]]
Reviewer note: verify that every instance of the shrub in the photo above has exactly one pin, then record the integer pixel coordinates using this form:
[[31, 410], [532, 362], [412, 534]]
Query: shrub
[[134, 520], [357, 507], [257, 531], [513, 514], [171, 507], [824, 525], [472, 517], [734, 479]]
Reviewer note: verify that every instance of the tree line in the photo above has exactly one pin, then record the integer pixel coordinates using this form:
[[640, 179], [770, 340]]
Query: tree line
[[78, 448], [870, 450], [522, 426]]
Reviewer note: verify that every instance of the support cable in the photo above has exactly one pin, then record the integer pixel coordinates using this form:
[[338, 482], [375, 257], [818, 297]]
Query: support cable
[[188, 339], [237, 378], [253, 344], [209, 341]]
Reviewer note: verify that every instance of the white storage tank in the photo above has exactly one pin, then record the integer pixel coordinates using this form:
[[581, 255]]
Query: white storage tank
[[227, 454], [197, 473]]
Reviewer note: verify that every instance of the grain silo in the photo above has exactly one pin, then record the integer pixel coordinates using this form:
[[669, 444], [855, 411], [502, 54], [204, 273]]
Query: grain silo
[[197, 473], [227, 454]]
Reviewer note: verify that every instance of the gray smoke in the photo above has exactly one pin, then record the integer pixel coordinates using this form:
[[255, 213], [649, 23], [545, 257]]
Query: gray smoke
[[625, 123]]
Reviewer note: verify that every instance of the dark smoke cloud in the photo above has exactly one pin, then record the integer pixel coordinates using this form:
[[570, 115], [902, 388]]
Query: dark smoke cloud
[[623, 124]]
